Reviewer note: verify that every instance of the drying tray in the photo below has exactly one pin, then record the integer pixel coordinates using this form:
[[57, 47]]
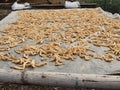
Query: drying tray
[[78, 73]]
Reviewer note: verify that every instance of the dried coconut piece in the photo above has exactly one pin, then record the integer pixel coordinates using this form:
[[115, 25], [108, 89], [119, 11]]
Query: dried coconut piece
[[43, 58], [25, 56], [18, 51], [2, 57], [26, 63], [17, 67], [5, 56], [12, 58], [13, 44], [88, 56], [118, 58], [107, 57], [42, 52], [58, 63], [28, 50], [42, 64], [16, 61], [33, 62], [2, 48], [57, 59], [69, 57]]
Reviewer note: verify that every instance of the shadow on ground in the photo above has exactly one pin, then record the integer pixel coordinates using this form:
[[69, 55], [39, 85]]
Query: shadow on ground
[[4, 13]]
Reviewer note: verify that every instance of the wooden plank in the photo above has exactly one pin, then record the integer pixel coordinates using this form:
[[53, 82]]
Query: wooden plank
[[38, 5], [44, 1], [47, 5], [5, 5]]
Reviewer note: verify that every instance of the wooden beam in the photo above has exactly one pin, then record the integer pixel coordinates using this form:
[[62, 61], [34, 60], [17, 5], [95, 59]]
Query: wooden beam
[[38, 5], [58, 79]]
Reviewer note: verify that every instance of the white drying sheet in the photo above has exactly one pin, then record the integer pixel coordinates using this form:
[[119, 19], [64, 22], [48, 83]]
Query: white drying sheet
[[80, 66]]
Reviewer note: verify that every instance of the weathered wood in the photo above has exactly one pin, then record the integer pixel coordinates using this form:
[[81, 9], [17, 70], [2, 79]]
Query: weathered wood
[[39, 5], [60, 79], [47, 5], [5, 5], [44, 1], [10, 76], [88, 5]]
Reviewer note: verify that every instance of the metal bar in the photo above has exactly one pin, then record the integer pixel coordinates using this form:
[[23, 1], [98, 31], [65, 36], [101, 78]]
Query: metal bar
[[60, 79]]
